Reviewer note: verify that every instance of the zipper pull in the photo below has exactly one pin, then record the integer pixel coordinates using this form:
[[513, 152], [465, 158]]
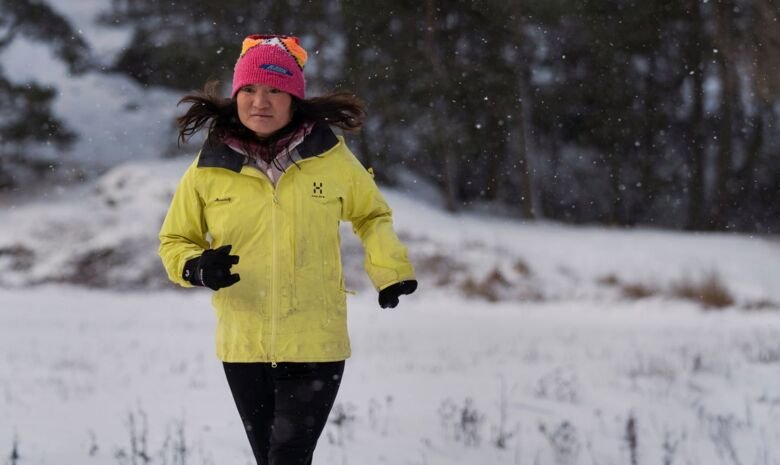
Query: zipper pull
[[273, 364]]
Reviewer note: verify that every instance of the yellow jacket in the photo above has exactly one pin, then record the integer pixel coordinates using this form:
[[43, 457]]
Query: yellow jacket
[[290, 305]]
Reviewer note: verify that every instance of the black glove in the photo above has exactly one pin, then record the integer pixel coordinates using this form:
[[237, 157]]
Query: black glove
[[388, 297], [212, 269]]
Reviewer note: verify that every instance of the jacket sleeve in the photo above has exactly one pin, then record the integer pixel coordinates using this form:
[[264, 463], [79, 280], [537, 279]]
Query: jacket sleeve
[[386, 258], [183, 233]]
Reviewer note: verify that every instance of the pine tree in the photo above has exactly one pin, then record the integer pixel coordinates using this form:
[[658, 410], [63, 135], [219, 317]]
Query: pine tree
[[28, 130]]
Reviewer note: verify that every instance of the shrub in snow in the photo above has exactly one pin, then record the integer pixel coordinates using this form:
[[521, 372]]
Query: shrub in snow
[[174, 448], [462, 423], [521, 267], [563, 441], [441, 267], [379, 414], [16, 258], [763, 349], [560, 385], [341, 424], [709, 290], [760, 304], [636, 291]]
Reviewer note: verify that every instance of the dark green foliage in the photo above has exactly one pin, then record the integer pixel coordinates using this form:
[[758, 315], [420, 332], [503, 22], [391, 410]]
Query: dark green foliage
[[36, 21], [29, 132], [620, 111], [27, 127], [181, 44]]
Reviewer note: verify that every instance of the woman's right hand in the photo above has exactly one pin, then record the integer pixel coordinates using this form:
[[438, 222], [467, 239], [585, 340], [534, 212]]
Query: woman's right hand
[[212, 269], [388, 297]]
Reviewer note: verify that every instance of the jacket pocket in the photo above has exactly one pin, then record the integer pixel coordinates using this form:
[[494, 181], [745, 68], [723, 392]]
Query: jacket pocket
[[228, 218]]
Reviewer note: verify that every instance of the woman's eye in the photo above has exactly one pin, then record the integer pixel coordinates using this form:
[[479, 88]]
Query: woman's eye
[[247, 89]]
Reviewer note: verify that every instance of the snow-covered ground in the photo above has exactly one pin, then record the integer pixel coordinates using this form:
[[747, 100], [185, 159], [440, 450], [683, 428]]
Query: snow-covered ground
[[527, 343], [522, 346], [436, 381]]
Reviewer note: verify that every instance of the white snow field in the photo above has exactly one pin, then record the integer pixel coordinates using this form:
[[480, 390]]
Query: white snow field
[[435, 381], [522, 345]]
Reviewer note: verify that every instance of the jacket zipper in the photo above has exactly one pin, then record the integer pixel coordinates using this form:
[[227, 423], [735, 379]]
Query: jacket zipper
[[274, 261], [274, 278]]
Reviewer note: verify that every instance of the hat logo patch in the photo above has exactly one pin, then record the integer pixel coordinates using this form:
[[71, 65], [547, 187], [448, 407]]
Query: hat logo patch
[[276, 69]]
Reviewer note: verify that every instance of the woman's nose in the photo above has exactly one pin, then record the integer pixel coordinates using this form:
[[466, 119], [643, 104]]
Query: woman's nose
[[260, 99]]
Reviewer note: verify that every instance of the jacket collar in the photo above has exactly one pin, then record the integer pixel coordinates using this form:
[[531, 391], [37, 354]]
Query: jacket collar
[[219, 155]]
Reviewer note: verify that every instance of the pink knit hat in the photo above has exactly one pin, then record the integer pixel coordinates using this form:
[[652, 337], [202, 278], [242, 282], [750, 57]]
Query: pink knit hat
[[275, 61]]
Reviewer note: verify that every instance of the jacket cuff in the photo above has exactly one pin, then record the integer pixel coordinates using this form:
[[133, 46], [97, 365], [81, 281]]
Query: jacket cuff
[[190, 272]]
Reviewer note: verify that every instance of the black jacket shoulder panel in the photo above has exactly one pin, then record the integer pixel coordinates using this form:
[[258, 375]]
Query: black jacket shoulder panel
[[219, 155], [320, 140]]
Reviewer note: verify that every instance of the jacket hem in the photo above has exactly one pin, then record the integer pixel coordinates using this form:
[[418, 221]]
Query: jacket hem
[[336, 358]]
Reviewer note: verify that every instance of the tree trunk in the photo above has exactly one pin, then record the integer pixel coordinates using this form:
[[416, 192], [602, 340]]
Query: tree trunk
[[725, 60], [616, 216], [696, 136], [527, 197], [442, 144], [519, 143], [493, 165], [747, 172], [649, 187], [451, 173]]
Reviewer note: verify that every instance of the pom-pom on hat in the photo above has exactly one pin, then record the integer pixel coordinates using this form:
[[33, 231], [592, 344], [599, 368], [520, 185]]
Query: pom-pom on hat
[[275, 61]]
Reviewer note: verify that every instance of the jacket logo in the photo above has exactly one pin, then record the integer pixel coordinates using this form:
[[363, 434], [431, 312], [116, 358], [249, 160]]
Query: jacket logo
[[317, 190]]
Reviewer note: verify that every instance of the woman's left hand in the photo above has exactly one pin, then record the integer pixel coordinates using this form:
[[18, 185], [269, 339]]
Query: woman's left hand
[[388, 297]]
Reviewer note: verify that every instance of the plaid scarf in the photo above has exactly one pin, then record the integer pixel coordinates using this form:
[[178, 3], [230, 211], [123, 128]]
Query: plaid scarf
[[268, 150]]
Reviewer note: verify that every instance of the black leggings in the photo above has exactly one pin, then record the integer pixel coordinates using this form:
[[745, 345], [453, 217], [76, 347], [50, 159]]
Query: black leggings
[[284, 409]]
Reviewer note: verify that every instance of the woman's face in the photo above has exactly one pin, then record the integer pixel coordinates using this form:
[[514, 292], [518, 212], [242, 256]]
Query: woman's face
[[262, 109]]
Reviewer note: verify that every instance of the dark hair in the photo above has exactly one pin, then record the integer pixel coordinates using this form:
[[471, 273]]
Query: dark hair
[[339, 108]]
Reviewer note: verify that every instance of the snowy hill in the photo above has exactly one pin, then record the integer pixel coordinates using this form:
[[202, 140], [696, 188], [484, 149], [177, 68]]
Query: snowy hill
[[105, 235], [526, 343]]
